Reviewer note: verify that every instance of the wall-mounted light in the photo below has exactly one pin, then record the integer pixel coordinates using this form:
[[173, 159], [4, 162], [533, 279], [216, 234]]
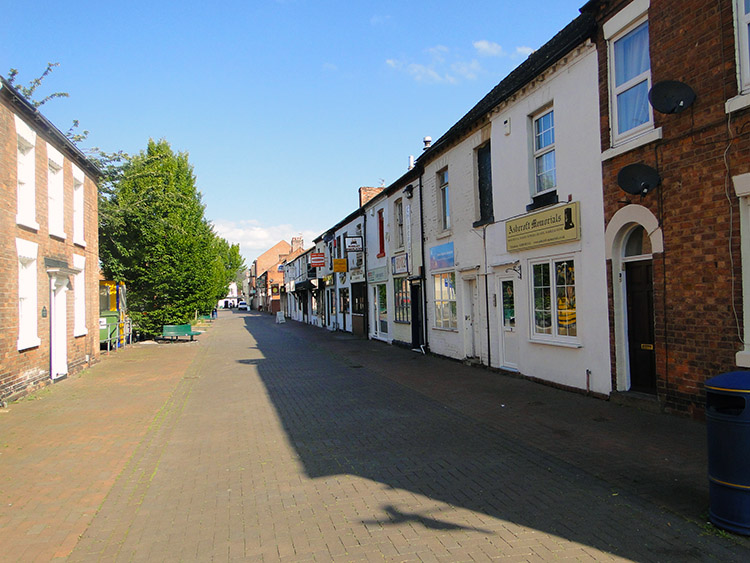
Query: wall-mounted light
[[516, 269], [409, 191]]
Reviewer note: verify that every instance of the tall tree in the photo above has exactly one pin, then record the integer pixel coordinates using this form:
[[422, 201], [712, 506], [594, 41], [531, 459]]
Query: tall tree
[[154, 237]]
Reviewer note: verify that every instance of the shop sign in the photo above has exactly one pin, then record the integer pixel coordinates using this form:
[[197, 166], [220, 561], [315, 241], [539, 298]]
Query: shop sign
[[400, 264], [377, 275], [545, 228], [340, 265], [317, 260], [442, 256], [353, 244]]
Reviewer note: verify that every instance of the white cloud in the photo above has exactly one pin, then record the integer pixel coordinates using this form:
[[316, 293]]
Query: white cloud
[[255, 238], [468, 70], [442, 68], [489, 48], [379, 20], [524, 51]]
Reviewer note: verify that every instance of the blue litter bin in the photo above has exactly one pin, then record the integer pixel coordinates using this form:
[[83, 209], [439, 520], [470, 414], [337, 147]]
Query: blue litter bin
[[728, 430]]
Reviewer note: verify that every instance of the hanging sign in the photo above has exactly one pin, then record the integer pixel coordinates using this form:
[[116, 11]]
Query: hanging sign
[[400, 264], [317, 260], [554, 226], [339, 265], [353, 244]]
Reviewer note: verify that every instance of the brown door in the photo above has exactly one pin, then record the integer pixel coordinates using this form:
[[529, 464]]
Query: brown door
[[640, 296]]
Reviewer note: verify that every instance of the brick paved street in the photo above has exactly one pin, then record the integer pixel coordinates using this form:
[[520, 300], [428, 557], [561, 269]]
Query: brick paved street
[[266, 442]]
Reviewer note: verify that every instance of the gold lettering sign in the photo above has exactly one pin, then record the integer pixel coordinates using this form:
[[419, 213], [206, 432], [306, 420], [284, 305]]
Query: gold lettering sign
[[647, 346], [339, 265], [553, 226]]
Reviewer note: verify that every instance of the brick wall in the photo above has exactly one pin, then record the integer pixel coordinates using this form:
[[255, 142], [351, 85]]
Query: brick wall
[[697, 280], [23, 371]]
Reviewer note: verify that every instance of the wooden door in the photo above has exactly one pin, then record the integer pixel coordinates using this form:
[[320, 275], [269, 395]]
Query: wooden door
[[640, 297]]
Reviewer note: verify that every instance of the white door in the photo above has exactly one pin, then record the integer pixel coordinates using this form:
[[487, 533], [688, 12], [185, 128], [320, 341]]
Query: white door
[[471, 325], [508, 332], [58, 327]]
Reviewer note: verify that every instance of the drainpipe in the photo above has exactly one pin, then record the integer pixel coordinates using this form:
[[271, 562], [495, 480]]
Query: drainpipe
[[424, 264], [487, 296], [367, 285]]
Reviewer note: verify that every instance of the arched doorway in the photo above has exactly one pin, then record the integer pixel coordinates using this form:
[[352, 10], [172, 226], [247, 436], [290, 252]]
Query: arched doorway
[[633, 237], [639, 309]]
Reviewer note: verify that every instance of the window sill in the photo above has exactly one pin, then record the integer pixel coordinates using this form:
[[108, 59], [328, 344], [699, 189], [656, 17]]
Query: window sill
[[79, 333], [737, 103], [558, 343], [483, 222], [634, 143], [441, 329], [444, 234], [81, 243], [380, 255], [28, 223], [27, 343], [59, 236], [742, 358]]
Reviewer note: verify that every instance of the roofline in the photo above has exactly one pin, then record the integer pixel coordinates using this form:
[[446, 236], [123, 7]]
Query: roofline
[[409, 176], [572, 35], [28, 110]]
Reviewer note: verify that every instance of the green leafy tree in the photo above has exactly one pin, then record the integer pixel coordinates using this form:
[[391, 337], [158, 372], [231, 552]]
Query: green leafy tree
[[154, 237]]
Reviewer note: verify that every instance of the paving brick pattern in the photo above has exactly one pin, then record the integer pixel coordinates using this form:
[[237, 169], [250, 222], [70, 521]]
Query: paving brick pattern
[[288, 443]]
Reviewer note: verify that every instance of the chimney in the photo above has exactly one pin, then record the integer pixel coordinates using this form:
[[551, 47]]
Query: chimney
[[427, 143], [411, 162], [367, 193], [297, 243]]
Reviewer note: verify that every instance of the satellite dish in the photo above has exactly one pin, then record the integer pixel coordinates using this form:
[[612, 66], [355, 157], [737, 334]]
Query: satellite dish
[[638, 179], [671, 96]]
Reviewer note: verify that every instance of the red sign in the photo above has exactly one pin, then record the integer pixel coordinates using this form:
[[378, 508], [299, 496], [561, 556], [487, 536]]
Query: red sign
[[317, 259]]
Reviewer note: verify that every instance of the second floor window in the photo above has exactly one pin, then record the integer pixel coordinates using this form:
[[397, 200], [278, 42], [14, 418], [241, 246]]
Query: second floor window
[[381, 234], [484, 184], [399, 213], [743, 42], [444, 193], [630, 81], [544, 152]]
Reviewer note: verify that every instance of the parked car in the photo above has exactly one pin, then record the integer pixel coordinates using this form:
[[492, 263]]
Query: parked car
[[242, 306]]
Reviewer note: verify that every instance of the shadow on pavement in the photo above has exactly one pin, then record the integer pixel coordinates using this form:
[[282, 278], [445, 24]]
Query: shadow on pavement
[[344, 419]]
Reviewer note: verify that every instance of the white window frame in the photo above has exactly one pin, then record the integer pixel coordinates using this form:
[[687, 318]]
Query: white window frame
[[444, 297], [555, 336], [742, 44], [79, 296], [625, 21], [28, 336], [398, 213], [55, 193], [26, 175], [541, 152], [444, 205], [79, 203]]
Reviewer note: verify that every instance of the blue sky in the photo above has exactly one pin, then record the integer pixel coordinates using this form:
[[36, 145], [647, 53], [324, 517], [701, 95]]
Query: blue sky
[[286, 107]]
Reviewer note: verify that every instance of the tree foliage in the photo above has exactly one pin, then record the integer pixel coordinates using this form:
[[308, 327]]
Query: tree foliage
[[154, 237], [152, 231]]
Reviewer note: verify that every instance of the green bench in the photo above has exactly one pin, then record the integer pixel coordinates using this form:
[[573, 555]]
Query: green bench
[[173, 332]]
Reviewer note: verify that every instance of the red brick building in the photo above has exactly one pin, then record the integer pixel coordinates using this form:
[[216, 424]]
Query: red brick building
[[49, 257], [676, 244]]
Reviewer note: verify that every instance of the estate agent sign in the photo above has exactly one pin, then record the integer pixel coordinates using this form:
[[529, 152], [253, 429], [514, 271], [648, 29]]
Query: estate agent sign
[[553, 226]]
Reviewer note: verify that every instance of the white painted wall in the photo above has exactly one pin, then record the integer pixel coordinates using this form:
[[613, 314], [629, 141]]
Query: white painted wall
[[572, 89]]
